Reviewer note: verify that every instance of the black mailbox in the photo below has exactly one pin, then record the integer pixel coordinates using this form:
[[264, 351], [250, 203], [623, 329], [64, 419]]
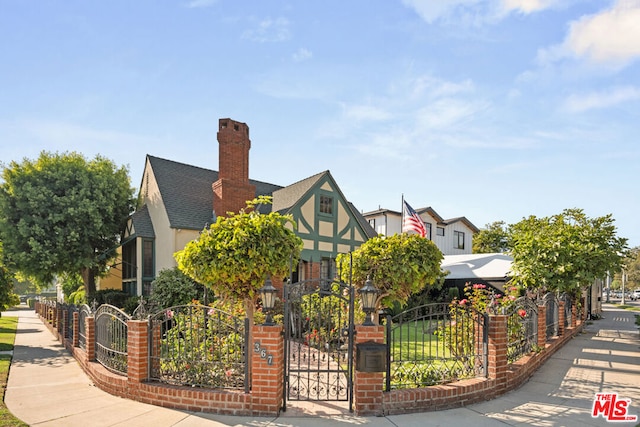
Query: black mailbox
[[371, 357]]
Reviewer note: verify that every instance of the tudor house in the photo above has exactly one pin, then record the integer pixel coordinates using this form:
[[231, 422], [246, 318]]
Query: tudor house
[[452, 236], [176, 201]]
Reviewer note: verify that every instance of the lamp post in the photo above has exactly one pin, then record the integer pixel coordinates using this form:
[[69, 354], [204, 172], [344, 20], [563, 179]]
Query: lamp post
[[268, 295], [368, 295]]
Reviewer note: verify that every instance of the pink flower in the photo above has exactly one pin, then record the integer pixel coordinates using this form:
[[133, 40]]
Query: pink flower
[[522, 312], [211, 311], [479, 286], [169, 314], [463, 302]]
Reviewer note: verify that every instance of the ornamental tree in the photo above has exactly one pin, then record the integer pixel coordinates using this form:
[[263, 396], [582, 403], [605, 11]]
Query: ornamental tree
[[564, 252], [62, 214], [493, 238], [399, 266], [7, 296], [234, 256]]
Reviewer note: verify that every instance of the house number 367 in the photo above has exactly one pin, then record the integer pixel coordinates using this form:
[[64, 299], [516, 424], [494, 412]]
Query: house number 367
[[263, 352]]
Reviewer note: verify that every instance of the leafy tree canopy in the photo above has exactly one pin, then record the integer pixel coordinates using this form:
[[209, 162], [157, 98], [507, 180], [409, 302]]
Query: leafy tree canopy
[[564, 252], [399, 266], [493, 238], [63, 213], [234, 256], [7, 296]]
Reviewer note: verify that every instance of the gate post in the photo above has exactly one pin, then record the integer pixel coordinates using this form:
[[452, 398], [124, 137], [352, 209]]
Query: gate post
[[90, 334], [542, 326], [137, 350], [498, 342], [76, 329], [267, 369], [368, 387]]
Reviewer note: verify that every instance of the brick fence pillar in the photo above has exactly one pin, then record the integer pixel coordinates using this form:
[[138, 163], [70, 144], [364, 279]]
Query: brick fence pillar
[[497, 347], [368, 387], [76, 329], [542, 326], [90, 332], [65, 322], [137, 350], [574, 315], [267, 370]]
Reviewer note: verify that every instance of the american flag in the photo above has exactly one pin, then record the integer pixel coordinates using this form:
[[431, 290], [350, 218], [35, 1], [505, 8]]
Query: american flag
[[412, 221]]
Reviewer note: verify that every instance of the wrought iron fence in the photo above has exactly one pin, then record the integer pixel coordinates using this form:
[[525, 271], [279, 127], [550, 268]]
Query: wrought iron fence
[[435, 344], [111, 338], [70, 308], [199, 346], [522, 328], [550, 301], [83, 312]]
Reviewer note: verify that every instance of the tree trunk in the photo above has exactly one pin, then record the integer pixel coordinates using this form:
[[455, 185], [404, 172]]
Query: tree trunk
[[89, 280]]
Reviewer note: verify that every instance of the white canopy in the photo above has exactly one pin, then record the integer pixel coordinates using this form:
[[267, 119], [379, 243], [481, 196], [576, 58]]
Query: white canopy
[[477, 266]]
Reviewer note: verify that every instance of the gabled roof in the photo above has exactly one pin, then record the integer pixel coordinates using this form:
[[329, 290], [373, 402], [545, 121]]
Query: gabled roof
[[428, 210], [463, 220], [142, 225], [284, 198], [187, 192]]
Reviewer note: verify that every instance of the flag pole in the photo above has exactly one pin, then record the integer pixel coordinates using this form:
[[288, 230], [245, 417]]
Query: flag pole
[[402, 215]]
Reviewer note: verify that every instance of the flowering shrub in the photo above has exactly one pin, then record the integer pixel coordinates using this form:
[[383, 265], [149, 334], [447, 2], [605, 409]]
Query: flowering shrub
[[200, 346], [462, 335]]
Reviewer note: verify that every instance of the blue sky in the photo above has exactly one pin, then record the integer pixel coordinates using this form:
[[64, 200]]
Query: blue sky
[[493, 110]]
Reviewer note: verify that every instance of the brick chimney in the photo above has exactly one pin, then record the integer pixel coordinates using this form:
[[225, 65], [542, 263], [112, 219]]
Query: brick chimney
[[232, 189]]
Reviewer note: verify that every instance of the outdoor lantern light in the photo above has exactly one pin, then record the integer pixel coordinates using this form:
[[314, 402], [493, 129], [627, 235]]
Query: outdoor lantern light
[[369, 295], [268, 294]]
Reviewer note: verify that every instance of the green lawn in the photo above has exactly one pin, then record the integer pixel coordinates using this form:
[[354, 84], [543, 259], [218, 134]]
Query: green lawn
[[8, 327]]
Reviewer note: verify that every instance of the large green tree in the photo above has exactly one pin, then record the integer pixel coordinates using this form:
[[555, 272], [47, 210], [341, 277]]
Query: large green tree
[[62, 214], [493, 238], [399, 266], [8, 298], [236, 253], [564, 252]]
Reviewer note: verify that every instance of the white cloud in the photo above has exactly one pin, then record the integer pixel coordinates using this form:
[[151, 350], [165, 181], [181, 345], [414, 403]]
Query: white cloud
[[365, 113], [476, 12], [201, 3], [603, 99], [611, 37], [528, 6], [302, 54], [269, 30], [432, 10]]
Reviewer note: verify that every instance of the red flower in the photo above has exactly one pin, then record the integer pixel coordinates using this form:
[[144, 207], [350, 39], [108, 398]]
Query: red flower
[[522, 312]]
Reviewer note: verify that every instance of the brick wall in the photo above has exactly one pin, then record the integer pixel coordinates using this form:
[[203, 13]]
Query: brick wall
[[267, 387]]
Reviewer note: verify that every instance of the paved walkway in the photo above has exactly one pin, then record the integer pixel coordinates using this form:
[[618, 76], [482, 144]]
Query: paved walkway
[[47, 387]]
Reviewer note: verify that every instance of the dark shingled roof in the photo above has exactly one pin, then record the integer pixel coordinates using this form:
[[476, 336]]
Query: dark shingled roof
[[187, 192], [285, 198], [142, 225]]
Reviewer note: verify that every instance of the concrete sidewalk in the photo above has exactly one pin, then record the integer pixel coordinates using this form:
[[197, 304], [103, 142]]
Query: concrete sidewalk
[[47, 387]]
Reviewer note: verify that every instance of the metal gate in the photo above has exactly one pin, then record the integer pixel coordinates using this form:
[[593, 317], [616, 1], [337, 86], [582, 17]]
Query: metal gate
[[318, 324]]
